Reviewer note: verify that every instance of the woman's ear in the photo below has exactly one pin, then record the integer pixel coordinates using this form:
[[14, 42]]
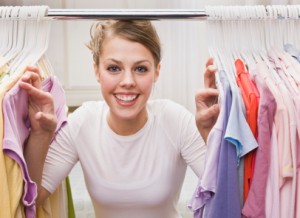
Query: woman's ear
[[156, 73], [97, 73]]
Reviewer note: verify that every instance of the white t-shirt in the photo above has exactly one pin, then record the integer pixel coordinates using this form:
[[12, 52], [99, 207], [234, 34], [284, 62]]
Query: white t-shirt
[[136, 176]]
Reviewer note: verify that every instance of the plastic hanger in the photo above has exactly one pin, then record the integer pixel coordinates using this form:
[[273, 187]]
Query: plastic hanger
[[2, 38], [14, 49], [228, 50], [2, 29], [5, 31], [8, 30], [44, 30], [212, 34], [297, 41], [38, 57], [31, 35], [17, 64], [249, 53], [272, 31]]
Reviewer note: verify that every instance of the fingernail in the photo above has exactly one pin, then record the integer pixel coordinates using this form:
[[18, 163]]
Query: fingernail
[[212, 67], [25, 76]]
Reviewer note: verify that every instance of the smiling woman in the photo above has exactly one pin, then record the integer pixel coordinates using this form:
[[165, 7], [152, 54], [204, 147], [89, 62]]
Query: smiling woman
[[133, 151], [126, 80]]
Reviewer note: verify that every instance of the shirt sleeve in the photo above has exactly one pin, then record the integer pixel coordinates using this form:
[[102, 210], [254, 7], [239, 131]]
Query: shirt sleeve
[[192, 146], [61, 157], [183, 133]]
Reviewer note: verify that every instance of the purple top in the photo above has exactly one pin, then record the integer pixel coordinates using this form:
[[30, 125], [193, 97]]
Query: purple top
[[207, 184], [17, 128], [226, 200]]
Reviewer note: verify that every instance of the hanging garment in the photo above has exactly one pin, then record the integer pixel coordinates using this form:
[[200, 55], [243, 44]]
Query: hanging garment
[[293, 66], [250, 97], [19, 49], [16, 130], [3, 66], [239, 132], [272, 198], [288, 191], [255, 203], [10, 172], [275, 177], [226, 201], [208, 182], [293, 70], [56, 205]]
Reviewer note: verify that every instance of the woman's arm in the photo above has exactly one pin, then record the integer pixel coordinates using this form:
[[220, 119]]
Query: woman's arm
[[43, 123]]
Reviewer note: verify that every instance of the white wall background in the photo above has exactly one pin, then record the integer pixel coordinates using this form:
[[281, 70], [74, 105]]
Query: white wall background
[[184, 45]]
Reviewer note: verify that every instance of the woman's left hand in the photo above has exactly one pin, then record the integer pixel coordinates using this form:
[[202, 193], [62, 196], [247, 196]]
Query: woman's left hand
[[207, 108]]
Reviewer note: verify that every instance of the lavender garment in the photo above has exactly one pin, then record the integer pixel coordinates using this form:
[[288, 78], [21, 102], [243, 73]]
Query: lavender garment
[[226, 201], [17, 127], [255, 203], [207, 184]]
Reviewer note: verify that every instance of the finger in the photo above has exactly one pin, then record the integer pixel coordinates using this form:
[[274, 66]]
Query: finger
[[208, 114], [210, 61], [209, 77], [205, 93], [206, 97], [32, 77], [33, 91], [33, 69]]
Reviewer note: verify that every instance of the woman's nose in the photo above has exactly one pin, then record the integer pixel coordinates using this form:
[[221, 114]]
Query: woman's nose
[[128, 79]]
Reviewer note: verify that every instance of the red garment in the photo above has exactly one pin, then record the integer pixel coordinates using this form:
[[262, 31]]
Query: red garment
[[250, 97]]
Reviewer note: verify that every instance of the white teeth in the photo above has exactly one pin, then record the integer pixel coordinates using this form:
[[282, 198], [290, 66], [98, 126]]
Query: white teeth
[[126, 98]]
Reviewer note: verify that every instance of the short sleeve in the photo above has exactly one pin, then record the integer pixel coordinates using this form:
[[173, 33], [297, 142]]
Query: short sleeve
[[192, 145], [61, 156], [180, 125]]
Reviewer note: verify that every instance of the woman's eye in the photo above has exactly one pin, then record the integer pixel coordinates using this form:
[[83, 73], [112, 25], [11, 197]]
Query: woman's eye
[[141, 69], [113, 68]]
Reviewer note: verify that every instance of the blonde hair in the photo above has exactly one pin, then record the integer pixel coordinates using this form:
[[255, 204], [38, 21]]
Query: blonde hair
[[141, 31]]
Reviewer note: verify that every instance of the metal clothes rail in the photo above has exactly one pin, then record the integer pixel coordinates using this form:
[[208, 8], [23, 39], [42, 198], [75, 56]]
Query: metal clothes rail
[[155, 14]]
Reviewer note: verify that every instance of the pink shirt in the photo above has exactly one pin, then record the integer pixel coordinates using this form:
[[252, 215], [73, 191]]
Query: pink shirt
[[272, 191], [282, 132], [285, 86], [291, 64], [255, 203]]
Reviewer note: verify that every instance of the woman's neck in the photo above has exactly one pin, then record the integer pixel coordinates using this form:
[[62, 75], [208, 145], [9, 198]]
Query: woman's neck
[[127, 127]]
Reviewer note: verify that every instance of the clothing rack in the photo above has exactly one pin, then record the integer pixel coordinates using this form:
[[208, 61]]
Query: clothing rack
[[153, 14]]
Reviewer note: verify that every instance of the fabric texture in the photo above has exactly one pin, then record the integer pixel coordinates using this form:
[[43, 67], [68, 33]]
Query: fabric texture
[[17, 127], [255, 203], [226, 201], [128, 176], [250, 97], [11, 180], [208, 182]]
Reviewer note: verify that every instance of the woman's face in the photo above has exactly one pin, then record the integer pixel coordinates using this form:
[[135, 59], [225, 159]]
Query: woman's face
[[126, 73]]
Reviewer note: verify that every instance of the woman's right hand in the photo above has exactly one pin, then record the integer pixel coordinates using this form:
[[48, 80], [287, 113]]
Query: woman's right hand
[[41, 105]]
